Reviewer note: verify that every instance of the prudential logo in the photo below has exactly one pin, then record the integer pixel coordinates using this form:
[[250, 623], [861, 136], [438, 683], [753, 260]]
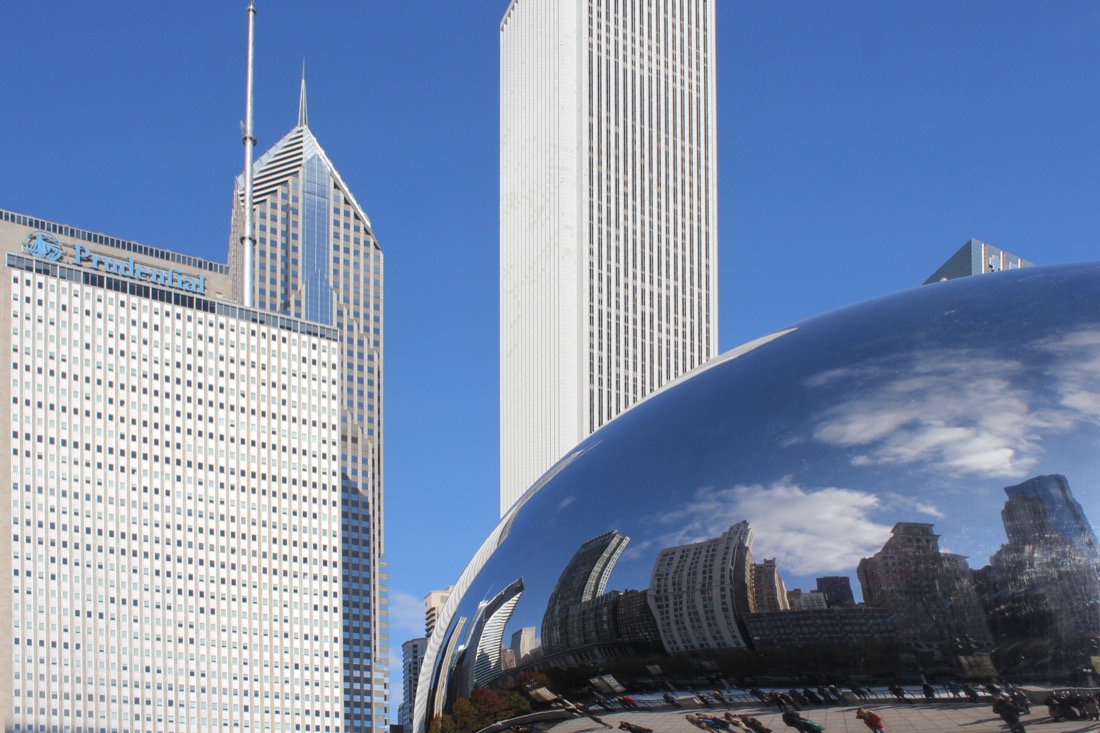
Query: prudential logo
[[43, 246]]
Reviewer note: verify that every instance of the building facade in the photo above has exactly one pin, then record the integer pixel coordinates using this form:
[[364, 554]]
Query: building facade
[[698, 591], [976, 258], [175, 555], [317, 259], [769, 592], [608, 216], [412, 657], [929, 594], [433, 606], [1044, 582], [581, 582], [839, 627], [837, 590]]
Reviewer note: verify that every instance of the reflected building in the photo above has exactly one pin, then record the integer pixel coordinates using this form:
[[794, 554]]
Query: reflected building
[[800, 600], [930, 594], [573, 613], [481, 659], [769, 593], [1061, 514], [524, 644], [1044, 583], [837, 590], [697, 591], [852, 627], [637, 624]]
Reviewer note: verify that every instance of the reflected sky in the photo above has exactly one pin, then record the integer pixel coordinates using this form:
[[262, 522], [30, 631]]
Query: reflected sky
[[918, 407]]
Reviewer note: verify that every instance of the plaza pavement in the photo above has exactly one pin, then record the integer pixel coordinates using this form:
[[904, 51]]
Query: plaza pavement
[[899, 718]]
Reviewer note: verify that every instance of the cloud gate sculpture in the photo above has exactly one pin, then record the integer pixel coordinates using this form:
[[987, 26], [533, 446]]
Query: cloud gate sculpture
[[898, 491]]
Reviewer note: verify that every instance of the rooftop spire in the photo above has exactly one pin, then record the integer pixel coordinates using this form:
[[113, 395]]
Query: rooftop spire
[[303, 113]]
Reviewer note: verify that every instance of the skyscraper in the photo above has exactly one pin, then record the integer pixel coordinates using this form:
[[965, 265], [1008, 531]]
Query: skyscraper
[[608, 216], [317, 259], [975, 258], [433, 606], [174, 502], [412, 657]]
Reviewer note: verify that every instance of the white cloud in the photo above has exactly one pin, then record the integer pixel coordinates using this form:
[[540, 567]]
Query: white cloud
[[896, 501], [818, 531], [1076, 371], [964, 411], [960, 411], [406, 616]]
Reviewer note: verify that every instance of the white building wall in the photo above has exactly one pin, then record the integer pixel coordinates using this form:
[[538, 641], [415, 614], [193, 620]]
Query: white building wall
[[541, 259], [608, 215], [174, 497]]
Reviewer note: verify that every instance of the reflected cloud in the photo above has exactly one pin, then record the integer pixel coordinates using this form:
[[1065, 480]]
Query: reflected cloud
[[898, 416], [1076, 372], [901, 501], [990, 426], [813, 531]]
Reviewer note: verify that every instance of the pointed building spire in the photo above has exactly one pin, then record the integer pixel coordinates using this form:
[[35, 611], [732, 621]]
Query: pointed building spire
[[303, 113]]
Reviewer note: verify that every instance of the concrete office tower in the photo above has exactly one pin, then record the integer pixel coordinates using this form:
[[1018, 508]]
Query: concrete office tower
[[433, 606], [975, 258], [173, 561], [317, 259], [697, 591], [412, 657], [608, 216]]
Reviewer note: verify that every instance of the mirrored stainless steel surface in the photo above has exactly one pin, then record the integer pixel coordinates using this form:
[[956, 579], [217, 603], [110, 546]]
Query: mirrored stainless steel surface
[[895, 492]]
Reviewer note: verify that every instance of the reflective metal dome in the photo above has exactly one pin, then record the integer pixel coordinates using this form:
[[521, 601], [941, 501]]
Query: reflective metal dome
[[901, 490]]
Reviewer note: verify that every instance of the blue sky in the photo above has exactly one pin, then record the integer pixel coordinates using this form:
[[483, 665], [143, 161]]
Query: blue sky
[[860, 144]]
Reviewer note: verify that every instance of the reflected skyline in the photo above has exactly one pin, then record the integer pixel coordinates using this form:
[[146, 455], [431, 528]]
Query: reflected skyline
[[710, 594], [721, 525]]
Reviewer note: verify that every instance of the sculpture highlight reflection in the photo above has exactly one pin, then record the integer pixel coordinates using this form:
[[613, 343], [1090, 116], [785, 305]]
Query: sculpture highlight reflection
[[894, 493]]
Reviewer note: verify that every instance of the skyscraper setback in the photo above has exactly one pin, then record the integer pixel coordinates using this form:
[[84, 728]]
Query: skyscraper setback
[[317, 259], [608, 216]]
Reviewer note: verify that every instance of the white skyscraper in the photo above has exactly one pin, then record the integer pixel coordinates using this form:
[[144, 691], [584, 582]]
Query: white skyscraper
[[608, 215], [174, 561]]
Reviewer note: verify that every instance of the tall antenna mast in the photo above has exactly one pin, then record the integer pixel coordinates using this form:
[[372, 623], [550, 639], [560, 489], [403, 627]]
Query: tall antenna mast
[[249, 238]]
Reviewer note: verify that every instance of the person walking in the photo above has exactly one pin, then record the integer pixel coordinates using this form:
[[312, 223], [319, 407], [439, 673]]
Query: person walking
[[633, 727], [1009, 712], [870, 719], [800, 724]]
